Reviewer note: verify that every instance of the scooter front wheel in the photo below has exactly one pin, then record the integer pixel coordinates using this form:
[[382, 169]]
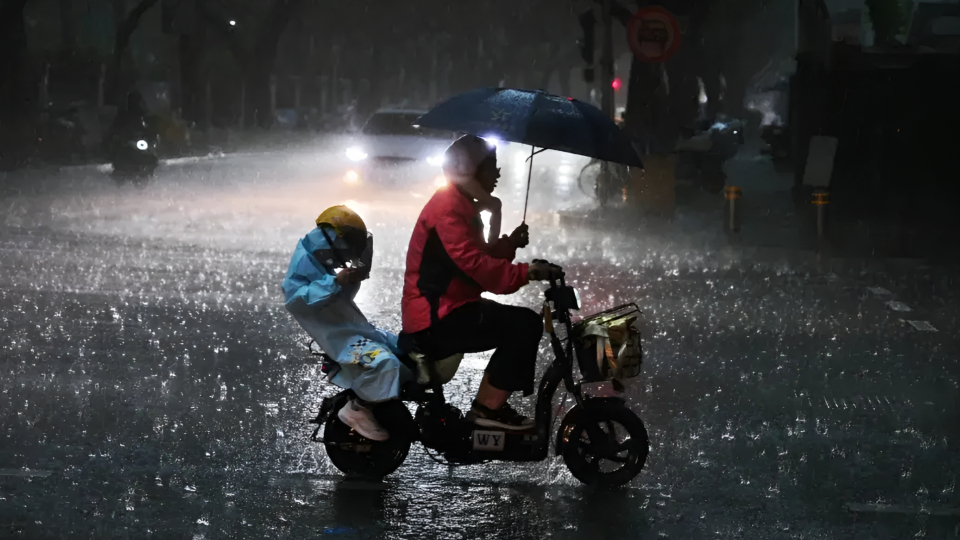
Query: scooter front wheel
[[604, 443], [355, 455]]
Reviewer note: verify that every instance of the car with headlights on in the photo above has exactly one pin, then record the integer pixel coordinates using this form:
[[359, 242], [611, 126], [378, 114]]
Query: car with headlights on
[[389, 148]]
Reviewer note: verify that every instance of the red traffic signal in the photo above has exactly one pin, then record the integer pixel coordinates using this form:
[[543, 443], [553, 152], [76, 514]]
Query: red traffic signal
[[616, 84]]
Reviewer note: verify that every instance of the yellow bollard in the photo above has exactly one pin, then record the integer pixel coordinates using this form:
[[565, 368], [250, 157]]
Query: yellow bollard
[[732, 195], [821, 198], [653, 188]]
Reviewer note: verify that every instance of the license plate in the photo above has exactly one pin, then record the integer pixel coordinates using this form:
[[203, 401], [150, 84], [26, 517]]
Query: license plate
[[489, 440]]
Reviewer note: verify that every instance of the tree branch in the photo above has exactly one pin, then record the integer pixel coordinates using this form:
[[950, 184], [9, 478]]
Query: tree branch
[[124, 31]]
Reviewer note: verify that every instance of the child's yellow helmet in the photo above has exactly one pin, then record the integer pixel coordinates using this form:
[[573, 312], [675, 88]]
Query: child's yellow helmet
[[341, 218]]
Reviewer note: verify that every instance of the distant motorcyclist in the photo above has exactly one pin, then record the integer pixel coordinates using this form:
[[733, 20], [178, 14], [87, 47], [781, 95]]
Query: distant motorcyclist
[[323, 278], [131, 143], [449, 265]]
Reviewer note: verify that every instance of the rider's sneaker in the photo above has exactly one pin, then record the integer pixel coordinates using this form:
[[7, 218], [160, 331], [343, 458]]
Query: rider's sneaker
[[362, 421], [504, 418]]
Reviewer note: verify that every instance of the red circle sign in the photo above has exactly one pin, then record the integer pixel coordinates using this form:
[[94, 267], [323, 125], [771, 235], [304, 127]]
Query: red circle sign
[[653, 34]]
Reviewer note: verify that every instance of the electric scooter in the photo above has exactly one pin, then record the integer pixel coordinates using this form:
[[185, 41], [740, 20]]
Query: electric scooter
[[601, 440]]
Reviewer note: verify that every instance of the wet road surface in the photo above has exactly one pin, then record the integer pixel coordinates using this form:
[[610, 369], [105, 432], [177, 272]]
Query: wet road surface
[[152, 385]]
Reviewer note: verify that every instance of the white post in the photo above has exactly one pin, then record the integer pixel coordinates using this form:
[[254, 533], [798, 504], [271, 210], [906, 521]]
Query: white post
[[334, 77], [296, 93], [208, 105], [273, 97], [45, 86], [101, 86], [322, 81], [243, 105], [347, 91], [433, 79]]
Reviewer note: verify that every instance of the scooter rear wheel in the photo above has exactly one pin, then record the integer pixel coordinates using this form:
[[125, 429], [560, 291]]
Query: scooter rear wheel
[[619, 454], [356, 455]]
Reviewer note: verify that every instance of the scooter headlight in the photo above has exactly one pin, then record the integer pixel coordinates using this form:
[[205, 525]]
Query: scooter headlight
[[142, 145]]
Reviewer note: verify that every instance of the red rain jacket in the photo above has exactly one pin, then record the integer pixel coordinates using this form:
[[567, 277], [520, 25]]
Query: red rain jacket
[[449, 264]]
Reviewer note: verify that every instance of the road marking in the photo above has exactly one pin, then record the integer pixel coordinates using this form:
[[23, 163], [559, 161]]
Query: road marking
[[898, 306], [902, 509], [25, 473], [876, 403], [923, 326], [879, 291]]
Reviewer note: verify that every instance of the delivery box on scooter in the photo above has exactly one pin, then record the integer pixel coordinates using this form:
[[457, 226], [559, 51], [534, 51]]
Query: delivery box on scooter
[[608, 344]]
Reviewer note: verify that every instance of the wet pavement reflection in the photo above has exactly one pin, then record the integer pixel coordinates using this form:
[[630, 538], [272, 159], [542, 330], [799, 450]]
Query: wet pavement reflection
[[154, 387]]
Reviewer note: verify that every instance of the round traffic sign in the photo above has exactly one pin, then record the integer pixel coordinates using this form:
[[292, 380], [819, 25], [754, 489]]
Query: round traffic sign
[[653, 34]]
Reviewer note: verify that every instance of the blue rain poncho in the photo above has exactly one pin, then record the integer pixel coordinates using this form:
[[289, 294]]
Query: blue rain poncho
[[367, 355]]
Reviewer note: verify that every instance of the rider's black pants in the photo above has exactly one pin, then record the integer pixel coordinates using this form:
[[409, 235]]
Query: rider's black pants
[[513, 331]]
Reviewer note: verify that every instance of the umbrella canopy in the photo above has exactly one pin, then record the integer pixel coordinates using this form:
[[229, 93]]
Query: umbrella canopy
[[537, 119]]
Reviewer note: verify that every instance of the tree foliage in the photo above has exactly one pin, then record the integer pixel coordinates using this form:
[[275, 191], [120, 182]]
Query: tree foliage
[[888, 19]]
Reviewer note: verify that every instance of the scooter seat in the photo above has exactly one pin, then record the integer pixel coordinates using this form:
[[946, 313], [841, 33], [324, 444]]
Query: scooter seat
[[436, 372]]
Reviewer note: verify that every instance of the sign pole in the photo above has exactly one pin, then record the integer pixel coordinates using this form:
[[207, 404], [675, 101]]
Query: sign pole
[[606, 62]]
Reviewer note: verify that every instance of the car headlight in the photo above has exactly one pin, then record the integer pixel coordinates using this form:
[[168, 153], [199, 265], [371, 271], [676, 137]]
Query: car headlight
[[436, 160], [492, 141], [355, 153], [142, 145]]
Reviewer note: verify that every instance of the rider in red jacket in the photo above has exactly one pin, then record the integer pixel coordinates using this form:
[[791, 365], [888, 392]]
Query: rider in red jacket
[[449, 265]]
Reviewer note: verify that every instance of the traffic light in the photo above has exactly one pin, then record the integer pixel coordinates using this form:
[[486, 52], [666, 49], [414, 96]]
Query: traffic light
[[616, 84], [587, 23]]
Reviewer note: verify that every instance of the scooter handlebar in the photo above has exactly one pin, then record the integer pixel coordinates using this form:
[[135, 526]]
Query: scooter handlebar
[[564, 298], [555, 271]]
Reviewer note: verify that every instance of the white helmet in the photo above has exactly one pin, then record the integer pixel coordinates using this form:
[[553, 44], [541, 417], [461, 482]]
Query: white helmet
[[462, 158]]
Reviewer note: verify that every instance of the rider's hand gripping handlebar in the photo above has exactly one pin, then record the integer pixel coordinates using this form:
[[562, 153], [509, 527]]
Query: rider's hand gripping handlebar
[[541, 270]]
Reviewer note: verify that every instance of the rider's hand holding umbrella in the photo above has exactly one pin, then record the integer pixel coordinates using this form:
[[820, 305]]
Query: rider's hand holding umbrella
[[520, 236]]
